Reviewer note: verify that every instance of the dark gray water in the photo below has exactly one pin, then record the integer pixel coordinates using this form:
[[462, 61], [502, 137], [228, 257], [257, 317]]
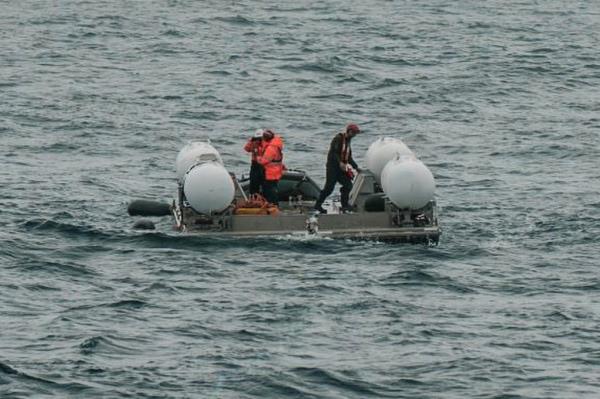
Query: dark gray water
[[499, 98]]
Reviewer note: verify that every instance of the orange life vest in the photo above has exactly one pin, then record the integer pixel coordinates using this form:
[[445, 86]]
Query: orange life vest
[[272, 159], [345, 155]]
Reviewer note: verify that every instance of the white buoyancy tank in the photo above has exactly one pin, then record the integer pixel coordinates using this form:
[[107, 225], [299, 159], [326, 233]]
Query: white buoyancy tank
[[407, 182], [383, 150], [193, 153], [208, 187]]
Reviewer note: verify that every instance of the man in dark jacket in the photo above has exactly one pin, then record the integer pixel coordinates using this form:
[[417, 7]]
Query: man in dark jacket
[[339, 160]]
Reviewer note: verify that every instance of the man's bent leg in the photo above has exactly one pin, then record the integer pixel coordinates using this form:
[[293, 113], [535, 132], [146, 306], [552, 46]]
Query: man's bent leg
[[330, 181]]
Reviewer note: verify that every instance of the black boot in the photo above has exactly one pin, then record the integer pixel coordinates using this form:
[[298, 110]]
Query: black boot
[[346, 209], [319, 204]]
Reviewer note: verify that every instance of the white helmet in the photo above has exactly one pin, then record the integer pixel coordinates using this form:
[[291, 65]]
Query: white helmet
[[258, 133]]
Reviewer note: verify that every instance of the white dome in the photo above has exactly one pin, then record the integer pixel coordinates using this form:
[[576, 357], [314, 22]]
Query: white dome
[[383, 150], [194, 153], [408, 183], [208, 187]]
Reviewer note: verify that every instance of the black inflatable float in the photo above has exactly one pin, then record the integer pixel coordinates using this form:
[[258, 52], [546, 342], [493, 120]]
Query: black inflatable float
[[148, 208], [375, 203]]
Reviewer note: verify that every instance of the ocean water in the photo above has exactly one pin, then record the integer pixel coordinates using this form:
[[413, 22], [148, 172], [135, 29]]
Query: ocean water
[[500, 100]]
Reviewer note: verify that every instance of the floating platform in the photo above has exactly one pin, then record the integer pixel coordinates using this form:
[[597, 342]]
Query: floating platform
[[373, 217]]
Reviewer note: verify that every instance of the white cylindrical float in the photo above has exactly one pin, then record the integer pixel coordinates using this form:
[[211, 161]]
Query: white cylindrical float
[[208, 187], [193, 153], [407, 182], [383, 150]]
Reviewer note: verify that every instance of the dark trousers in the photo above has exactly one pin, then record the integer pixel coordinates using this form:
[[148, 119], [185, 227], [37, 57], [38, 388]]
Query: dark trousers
[[270, 191], [257, 177], [335, 175]]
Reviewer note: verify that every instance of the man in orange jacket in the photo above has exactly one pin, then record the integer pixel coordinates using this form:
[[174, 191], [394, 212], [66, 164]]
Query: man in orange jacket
[[257, 172], [272, 161]]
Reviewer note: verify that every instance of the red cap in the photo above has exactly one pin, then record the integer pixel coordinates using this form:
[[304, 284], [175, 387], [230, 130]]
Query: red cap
[[268, 134], [352, 128]]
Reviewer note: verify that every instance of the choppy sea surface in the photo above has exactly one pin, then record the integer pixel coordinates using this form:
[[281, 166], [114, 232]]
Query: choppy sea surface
[[499, 98]]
